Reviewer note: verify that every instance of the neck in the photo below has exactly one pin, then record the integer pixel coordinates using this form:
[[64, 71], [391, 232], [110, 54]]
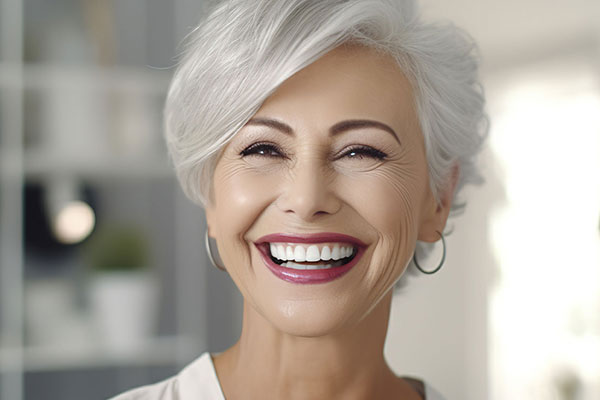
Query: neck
[[346, 364]]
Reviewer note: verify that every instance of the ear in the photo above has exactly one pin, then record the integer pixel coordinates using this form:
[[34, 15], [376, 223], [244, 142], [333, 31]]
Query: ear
[[435, 217]]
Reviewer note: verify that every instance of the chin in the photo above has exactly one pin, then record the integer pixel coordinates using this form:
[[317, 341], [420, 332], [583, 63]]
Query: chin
[[310, 318]]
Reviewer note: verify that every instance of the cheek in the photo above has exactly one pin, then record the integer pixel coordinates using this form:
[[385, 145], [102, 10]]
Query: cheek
[[388, 199], [390, 202], [234, 190], [240, 197]]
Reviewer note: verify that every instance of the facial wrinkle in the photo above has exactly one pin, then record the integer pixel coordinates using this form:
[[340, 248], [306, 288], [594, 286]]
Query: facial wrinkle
[[405, 236]]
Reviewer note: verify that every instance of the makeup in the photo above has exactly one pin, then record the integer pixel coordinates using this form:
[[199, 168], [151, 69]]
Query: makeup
[[320, 188], [310, 258]]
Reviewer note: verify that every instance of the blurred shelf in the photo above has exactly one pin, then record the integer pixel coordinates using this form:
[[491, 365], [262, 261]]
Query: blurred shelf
[[40, 164], [10, 165], [120, 78], [11, 75], [166, 350], [74, 118]]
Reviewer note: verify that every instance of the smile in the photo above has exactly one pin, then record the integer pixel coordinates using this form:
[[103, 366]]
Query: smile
[[314, 258], [311, 256]]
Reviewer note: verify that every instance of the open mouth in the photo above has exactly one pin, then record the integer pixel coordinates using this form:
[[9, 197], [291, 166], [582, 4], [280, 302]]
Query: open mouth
[[310, 256]]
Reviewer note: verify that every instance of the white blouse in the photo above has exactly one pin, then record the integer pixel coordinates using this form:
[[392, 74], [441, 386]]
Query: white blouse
[[198, 381]]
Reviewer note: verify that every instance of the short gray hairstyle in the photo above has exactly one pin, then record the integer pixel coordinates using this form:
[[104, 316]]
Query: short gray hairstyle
[[245, 49]]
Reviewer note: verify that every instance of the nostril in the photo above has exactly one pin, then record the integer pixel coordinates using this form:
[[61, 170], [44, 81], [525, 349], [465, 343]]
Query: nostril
[[308, 191], [309, 203]]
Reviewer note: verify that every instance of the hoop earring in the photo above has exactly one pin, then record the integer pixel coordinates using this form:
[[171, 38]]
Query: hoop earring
[[210, 255], [439, 265]]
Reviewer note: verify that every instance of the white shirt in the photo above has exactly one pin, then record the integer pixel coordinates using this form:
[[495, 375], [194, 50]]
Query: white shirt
[[198, 381]]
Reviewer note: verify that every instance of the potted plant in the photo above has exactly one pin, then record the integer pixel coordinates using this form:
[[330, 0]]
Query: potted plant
[[122, 291]]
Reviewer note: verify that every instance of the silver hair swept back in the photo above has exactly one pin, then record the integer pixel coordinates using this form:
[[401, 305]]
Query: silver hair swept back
[[244, 49]]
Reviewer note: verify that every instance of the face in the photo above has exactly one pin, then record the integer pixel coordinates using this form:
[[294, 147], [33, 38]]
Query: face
[[331, 167]]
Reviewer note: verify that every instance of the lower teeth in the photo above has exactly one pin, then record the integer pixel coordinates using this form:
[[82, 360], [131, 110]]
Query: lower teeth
[[293, 265]]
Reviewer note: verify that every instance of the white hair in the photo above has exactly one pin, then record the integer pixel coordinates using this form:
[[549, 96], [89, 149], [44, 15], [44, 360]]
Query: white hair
[[244, 49]]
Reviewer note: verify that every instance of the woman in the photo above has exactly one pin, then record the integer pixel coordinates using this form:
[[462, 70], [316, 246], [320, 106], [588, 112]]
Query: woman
[[324, 139]]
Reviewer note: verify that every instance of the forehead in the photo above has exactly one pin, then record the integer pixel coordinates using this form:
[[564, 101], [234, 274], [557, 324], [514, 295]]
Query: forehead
[[348, 82]]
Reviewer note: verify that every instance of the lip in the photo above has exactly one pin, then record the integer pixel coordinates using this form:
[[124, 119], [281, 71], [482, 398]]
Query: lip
[[322, 237], [308, 276]]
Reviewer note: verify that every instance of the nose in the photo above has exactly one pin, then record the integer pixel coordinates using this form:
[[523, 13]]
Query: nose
[[308, 192]]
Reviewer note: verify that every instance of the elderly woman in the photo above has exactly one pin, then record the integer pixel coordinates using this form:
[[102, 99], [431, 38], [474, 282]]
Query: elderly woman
[[324, 138]]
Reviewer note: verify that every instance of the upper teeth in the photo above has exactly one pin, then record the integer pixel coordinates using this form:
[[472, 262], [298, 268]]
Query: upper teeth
[[310, 253]]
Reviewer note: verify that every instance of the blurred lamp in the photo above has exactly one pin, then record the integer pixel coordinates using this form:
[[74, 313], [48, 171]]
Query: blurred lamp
[[74, 222], [71, 219]]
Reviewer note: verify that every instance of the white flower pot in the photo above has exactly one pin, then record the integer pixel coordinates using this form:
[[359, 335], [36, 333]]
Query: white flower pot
[[124, 310]]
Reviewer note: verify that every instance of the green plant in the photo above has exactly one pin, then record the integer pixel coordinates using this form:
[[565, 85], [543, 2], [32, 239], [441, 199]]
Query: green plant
[[117, 248]]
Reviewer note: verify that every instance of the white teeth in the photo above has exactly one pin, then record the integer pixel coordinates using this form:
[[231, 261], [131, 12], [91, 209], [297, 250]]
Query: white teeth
[[312, 253], [325, 253], [335, 254], [289, 253], [293, 265], [299, 254], [281, 252], [347, 252]]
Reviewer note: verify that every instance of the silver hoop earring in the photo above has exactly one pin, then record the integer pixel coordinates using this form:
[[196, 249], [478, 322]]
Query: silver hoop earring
[[439, 265], [210, 255]]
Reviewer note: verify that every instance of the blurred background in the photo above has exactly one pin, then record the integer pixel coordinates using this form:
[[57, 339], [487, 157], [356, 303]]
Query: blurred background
[[104, 282]]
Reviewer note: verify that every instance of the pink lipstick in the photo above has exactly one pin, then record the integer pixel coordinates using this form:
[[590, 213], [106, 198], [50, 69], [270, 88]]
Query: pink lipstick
[[310, 276]]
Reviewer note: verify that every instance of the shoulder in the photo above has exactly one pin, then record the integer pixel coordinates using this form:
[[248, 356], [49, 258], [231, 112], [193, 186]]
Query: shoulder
[[197, 381], [425, 390], [165, 390], [432, 394]]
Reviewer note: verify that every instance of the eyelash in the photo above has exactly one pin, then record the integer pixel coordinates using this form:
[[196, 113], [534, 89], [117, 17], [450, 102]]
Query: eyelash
[[363, 151], [359, 151], [254, 149]]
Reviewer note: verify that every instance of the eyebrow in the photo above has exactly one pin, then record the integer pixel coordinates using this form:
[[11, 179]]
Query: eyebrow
[[340, 127]]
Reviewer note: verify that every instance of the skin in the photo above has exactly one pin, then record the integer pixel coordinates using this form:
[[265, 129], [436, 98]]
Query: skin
[[323, 340]]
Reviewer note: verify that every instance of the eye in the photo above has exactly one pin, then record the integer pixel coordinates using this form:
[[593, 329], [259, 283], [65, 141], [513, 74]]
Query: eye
[[269, 150], [361, 152]]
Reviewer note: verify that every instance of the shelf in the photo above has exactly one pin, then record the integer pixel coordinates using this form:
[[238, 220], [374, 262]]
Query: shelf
[[159, 351], [50, 76], [89, 118], [40, 164]]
